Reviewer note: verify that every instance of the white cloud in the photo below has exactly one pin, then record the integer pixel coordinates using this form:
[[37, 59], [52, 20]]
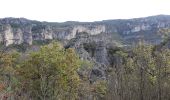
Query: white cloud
[[82, 10]]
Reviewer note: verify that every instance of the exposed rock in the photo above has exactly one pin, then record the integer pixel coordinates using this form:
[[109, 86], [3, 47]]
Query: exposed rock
[[27, 34], [20, 30], [93, 49], [8, 35], [140, 28]]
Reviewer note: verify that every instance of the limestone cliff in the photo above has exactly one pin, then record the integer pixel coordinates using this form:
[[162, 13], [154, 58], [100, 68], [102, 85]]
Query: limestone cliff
[[20, 30], [13, 33]]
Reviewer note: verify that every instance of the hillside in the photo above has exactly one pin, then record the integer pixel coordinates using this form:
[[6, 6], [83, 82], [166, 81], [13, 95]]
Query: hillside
[[103, 60]]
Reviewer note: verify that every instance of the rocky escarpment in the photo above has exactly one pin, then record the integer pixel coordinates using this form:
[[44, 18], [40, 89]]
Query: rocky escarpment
[[20, 30], [17, 32]]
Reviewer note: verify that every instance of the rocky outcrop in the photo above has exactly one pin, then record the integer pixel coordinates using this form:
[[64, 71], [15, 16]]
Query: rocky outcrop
[[8, 35], [94, 49], [92, 30], [139, 28], [27, 34]]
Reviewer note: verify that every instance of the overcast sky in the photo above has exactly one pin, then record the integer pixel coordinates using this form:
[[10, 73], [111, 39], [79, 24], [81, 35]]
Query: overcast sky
[[82, 10]]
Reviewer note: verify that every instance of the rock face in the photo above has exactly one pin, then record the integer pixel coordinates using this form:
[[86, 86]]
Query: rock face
[[92, 30], [132, 30], [17, 31], [93, 49], [8, 35], [20, 30]]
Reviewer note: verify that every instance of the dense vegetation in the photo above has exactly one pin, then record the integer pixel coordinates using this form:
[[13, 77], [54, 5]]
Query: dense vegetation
[[141, 74], [56, 73], [48, 74]]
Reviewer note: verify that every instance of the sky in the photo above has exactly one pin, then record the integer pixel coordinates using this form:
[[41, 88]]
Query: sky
[[82, 10]]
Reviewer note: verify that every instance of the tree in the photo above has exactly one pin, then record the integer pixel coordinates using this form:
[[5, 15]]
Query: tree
[[8, 75], [51, 73]]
